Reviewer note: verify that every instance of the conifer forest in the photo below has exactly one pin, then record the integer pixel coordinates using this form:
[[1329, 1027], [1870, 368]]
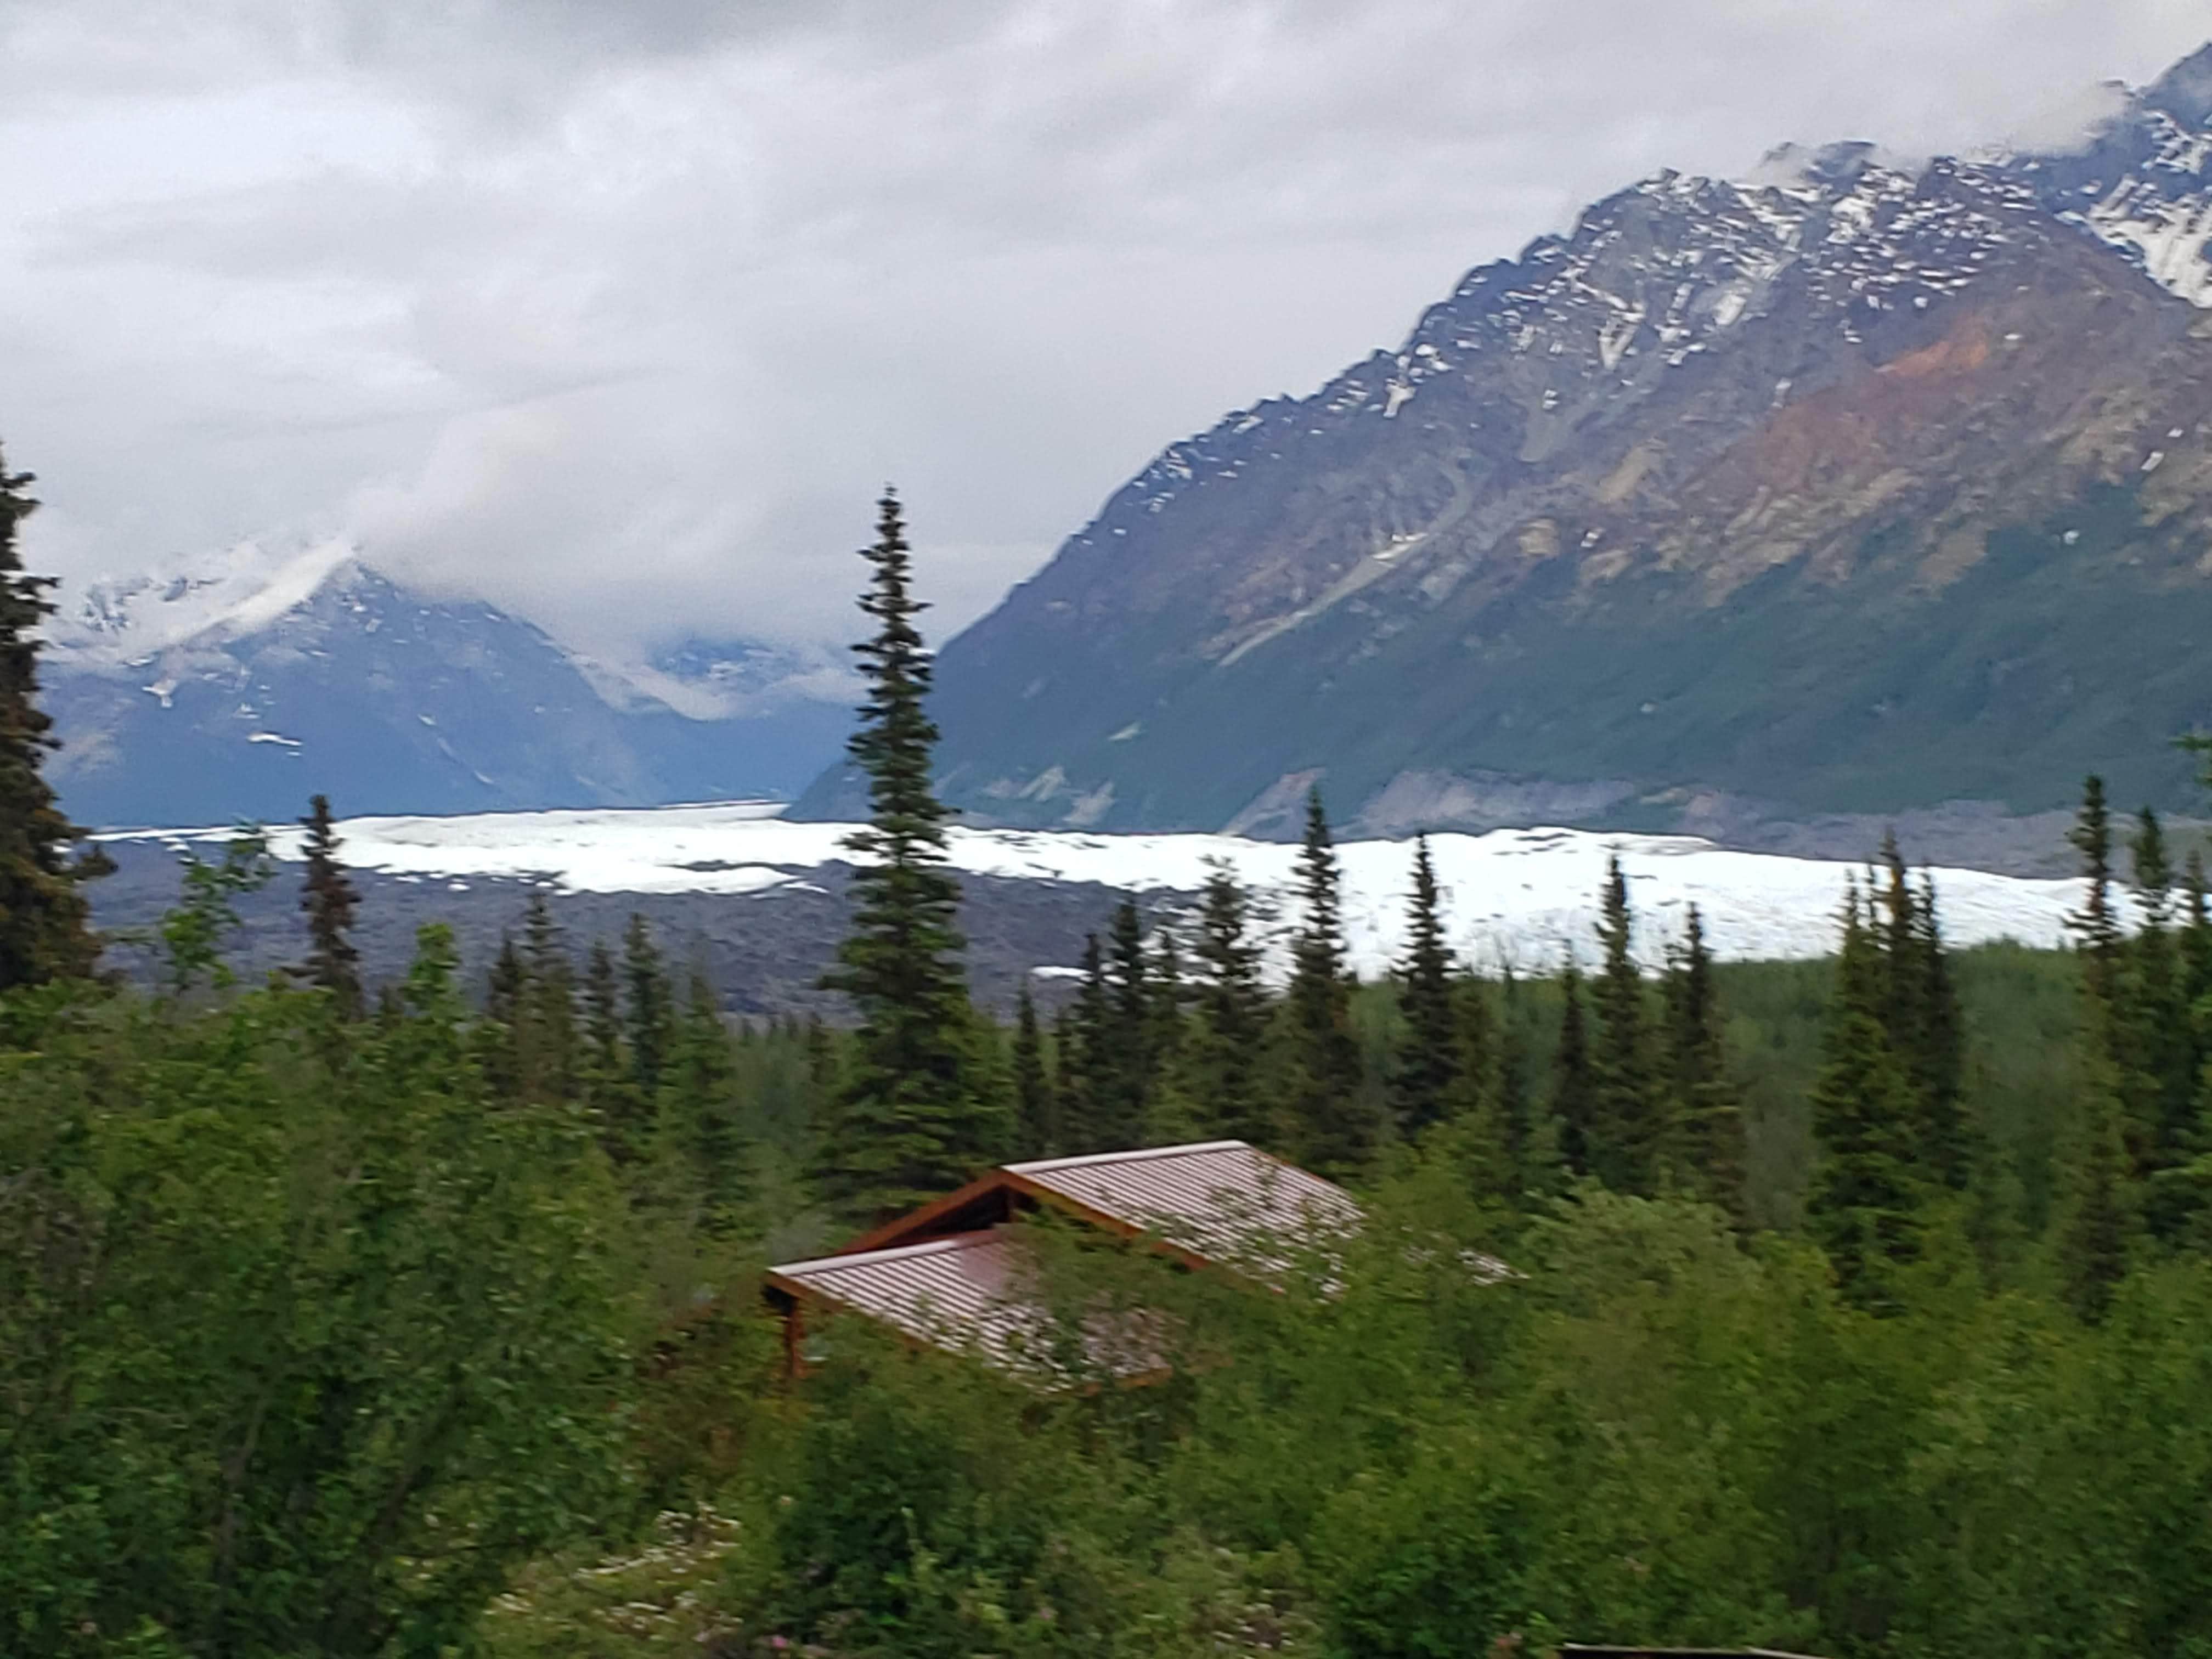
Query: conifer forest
[[1852, 1307]]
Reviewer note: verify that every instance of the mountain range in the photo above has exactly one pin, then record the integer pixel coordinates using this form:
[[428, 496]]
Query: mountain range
[[1855, 488], [1768, 509], [233, 686]]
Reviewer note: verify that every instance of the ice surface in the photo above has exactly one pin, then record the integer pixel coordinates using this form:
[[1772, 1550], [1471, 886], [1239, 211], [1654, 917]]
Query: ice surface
[[1525, 896]]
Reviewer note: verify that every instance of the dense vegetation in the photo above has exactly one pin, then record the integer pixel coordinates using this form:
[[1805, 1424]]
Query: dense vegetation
[[1858, 1306]]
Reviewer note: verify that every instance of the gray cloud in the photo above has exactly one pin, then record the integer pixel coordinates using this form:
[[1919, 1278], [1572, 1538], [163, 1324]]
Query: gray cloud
[[622, 313]]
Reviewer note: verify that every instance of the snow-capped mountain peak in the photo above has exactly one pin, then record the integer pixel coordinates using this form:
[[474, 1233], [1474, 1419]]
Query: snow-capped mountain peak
[[240, 681], [187, 601], [2142, 180]]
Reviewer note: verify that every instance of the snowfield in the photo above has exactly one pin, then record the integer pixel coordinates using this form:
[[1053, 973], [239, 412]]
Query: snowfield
[[1525, 897]]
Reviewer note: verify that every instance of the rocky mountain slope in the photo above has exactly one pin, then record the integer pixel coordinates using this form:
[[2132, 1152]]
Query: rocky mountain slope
[[236, 686], [1849, 489]]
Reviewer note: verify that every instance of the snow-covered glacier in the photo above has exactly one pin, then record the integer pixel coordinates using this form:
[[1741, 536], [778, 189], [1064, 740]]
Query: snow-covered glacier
[[1522, 896]]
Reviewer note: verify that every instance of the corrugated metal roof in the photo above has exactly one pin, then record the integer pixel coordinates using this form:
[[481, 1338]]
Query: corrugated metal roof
[[972, 1292], [1224, 1201], [953, 1288], [1215, 1202]]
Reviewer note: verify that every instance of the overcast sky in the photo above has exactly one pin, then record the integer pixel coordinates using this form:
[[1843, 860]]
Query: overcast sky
[[620, 312]]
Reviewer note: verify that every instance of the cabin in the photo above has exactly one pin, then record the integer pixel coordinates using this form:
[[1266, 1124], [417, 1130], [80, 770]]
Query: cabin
[[957, 1273]]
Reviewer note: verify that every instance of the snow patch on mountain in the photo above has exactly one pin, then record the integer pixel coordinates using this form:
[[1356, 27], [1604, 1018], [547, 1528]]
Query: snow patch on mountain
[[718, 680], [1524, 896]]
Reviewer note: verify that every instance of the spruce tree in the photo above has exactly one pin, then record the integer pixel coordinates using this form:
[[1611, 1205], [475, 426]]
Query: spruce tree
[[1708, 1112], [605, 1079], [1532, 1131], [2096, 1229], [1477, 1081], [1918, 1007], [821, 1059], [698, 1110], [45, 931], [1175, 1116], [912, 1122], [1334, 1125], [1939, 1066], [1865, 1202], [602, 1012], [1630, 1130], [1128, 1064], [648, 1007], [1068, 1081], [1230, 1018], [2158, 1045], [2196, 933], [1171, 992], [1088, 1068], [329, 900], [1574, 1078], [546, 1026], [1898, 937], [506, 991], [1427, 1067], [1035, 1103], [2096, 925]]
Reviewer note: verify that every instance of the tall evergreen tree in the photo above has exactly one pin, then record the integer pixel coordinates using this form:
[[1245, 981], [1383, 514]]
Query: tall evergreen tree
[[1426, 1068], [698, 1110], [1939, 1066], [1068, 1098], [546, 1026], [2097, 1224], [1477, 1082], [1630, 1129], [1708, 1112], [2158, 1045], [1036, 1107], [648, 1007], [1176, 1114], [2096, 925], [1864, 1207], [1128, 1067], [1087, 1063], [912, 1122], [1897, 935], [1532, 1131], [2196, 931], [507, 987], [1918, 1008], [1574, 1079], [1171, 992], [1335, 1128], [1230, 1018], [329, 900], [45, 931], [821, 1059], [605, 1078], [602, 1012]]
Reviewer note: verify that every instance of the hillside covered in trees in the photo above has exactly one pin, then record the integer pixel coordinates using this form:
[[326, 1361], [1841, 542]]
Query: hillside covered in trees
[[1859, 1306]]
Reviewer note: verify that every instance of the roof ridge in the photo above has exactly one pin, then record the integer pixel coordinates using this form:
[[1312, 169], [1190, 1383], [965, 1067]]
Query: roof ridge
[[1135, 1155], [893, 1253]]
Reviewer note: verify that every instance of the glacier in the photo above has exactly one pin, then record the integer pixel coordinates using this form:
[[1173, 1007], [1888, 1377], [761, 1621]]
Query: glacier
[[1526, 898]]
